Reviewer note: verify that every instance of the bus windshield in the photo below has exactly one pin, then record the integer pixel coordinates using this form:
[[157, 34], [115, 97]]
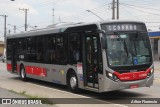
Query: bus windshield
[[127, 49]]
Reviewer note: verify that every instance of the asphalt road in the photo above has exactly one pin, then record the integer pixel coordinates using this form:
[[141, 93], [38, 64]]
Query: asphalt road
[[50, 90]]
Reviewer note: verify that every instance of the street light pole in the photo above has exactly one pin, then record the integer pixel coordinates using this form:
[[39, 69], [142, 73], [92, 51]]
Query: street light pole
[[94, 14], [14, 27], [25, 10], [53, 17], [5, 17]]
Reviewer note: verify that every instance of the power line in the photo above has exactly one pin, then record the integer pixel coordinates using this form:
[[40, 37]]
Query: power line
[[142, 2], [141, 10], [141, 7], [127, 12], [76, 17], [48, 3], [83, 15], [100, 9]]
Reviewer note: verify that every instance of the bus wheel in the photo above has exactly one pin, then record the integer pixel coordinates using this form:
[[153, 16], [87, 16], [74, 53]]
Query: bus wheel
[[23, 74], [73, 83]]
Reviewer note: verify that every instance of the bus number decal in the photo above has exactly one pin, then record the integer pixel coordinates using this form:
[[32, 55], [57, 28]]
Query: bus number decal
[[79, 69]]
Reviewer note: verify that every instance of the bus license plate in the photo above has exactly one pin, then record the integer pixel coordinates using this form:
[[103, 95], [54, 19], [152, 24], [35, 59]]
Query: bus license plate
[[134, 86]]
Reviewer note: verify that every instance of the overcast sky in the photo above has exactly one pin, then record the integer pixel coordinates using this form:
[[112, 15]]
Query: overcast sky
[[41, 12]]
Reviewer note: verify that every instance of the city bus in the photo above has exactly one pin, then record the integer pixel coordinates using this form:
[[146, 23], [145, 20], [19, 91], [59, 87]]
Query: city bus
[[100, 56]]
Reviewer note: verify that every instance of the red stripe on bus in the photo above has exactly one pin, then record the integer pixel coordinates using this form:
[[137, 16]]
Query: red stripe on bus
[[36, 71], [132, 75], [18, 68], [9, 67]]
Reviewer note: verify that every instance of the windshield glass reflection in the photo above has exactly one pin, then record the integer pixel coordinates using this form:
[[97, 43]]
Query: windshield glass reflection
[[124, 49]]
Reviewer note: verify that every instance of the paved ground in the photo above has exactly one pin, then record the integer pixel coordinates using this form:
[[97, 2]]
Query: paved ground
[[49, 90], [157, 69], [6, 94], [157, 65]]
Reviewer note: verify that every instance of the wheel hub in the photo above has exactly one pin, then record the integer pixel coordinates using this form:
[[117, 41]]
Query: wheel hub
[[22, 73], [73, 82]]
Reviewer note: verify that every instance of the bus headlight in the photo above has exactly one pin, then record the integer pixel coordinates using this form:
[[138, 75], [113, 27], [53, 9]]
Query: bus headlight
[[112, 76], [150, 73], [152, 70]]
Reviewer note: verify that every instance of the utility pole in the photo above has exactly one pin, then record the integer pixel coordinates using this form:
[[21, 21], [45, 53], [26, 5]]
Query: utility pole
[[5, 17], [53, 16], [9, 31], [14, 29], [25, 10], [117, 9], [113, 10]]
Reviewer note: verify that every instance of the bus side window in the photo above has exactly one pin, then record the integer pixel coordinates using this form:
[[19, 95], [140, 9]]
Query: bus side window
[[74, 48], [61, 48], [40, 49], [31, 52], [20, 48], [51, 50]]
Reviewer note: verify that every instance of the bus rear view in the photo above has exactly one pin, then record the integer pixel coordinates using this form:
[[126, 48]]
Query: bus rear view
[[128, 56]]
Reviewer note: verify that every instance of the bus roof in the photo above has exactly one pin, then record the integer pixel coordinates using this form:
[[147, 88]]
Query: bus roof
[[121, 21], [60, 28]]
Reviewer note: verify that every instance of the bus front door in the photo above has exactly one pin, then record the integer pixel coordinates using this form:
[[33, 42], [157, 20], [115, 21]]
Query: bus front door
[[91, 61], [13, 57]]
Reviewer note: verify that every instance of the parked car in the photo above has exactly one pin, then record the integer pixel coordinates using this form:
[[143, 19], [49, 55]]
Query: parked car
[[4, 58], [1, 57], [1, 54]]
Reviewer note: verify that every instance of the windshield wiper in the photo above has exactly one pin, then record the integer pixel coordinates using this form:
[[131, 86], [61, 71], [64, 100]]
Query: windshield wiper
[[122, 41]]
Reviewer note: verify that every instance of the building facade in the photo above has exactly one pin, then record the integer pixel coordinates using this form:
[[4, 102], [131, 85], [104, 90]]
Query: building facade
[[155, 43], [1, 48]]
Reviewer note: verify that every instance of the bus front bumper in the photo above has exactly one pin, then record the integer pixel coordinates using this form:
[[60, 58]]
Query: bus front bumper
[[110, 85]]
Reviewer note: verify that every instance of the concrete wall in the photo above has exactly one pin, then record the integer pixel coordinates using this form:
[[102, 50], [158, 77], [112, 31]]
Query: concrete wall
[[1, 48]]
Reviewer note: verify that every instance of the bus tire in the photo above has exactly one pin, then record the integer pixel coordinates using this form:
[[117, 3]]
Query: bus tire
[[72, 82], [23, 73]]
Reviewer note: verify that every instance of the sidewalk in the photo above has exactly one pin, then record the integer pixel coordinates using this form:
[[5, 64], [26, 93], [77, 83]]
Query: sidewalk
[[157, 66], [8, 94]]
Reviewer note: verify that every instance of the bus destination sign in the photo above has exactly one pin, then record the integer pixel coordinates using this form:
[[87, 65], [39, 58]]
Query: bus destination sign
[[123, 27]]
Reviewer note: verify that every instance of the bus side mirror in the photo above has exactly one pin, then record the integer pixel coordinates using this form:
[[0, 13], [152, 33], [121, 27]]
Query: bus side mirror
[[103, 43]]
